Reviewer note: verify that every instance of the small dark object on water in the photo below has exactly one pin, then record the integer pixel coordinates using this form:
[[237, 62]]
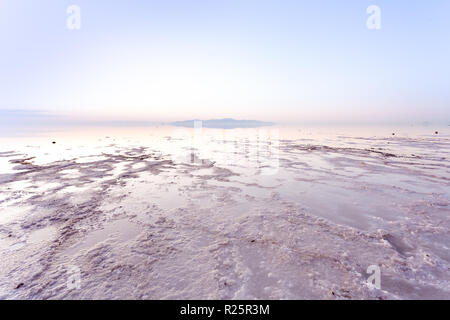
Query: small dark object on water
[[436, 132], [54, 142], [20, 285], [393, 134], [253, 241]]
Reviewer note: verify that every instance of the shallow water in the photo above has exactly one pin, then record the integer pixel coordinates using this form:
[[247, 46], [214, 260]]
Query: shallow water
[[271, 213]]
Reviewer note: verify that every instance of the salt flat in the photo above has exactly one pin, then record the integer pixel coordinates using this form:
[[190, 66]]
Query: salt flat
[[266, 213]]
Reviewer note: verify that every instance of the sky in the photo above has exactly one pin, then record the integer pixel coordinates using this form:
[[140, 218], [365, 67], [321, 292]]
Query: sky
[[281, 61]]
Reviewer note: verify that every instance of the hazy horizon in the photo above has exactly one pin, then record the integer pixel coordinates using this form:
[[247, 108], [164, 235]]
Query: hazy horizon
[[37, 119]]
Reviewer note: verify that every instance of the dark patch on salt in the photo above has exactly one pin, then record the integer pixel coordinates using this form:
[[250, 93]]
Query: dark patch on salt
[[399, 246]]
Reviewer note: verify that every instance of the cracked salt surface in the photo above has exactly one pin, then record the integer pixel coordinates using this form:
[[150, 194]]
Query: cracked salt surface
[[170, 213]]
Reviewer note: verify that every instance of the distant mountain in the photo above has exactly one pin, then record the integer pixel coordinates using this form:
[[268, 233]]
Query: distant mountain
[[226, 123]]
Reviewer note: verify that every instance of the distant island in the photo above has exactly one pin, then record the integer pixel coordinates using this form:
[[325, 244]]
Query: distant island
[[226, 123]]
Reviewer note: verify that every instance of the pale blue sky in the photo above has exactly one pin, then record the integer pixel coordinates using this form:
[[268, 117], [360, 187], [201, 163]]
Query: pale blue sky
[[282, 61]]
